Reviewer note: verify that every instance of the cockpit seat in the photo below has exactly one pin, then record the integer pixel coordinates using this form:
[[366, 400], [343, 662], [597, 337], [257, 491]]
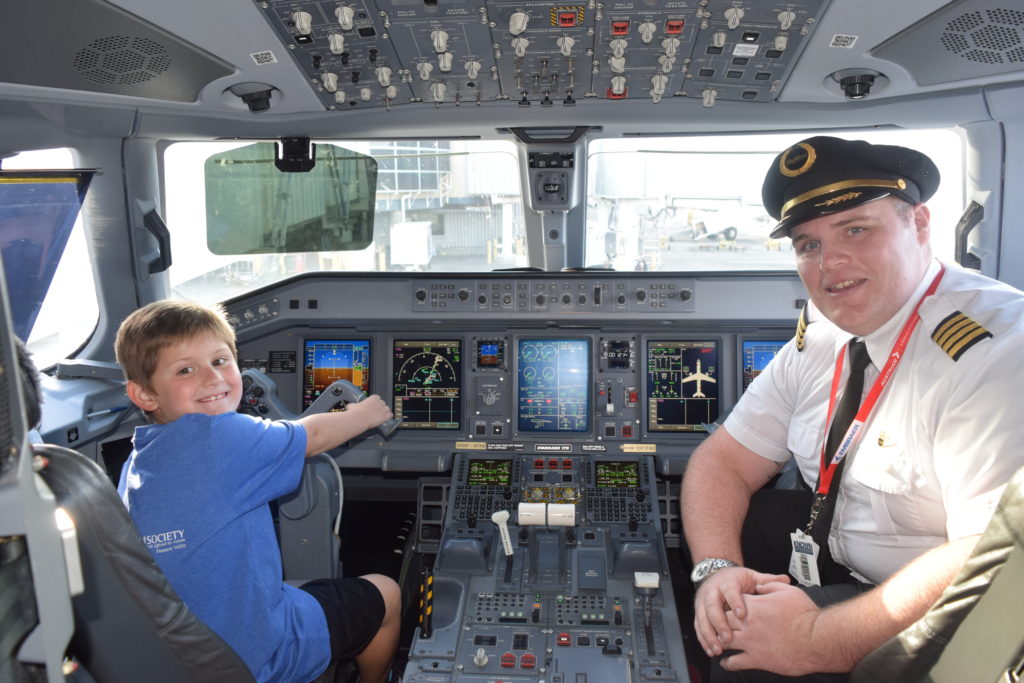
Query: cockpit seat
[[973, 632], [130, 625]]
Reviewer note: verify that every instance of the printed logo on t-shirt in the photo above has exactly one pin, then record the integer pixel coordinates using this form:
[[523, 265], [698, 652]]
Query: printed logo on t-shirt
[[165, 541]]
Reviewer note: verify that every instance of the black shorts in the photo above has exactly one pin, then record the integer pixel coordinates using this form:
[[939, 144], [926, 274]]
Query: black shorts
[[354, 609]]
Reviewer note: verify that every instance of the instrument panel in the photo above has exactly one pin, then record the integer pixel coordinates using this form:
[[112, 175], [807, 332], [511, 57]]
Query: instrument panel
[[592, 380]]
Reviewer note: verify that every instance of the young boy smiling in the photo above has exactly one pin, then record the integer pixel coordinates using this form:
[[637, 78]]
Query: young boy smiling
[[198, 485]]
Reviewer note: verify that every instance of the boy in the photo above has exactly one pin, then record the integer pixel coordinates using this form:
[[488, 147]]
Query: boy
[[198, 484]]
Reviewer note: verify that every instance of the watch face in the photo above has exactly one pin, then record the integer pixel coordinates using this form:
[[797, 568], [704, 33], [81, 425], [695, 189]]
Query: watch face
[[700, 571]]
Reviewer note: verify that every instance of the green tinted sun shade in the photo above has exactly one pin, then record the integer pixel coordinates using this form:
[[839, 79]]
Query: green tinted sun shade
[[253, 208]]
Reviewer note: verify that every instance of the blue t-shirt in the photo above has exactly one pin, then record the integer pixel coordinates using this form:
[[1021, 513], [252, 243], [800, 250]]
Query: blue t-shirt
[[198, 489]]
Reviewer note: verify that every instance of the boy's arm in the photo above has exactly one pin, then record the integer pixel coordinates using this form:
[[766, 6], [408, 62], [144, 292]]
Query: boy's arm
[[325, 431]]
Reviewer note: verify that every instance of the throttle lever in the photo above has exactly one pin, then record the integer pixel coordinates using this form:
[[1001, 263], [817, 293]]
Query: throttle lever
[[343, 390]]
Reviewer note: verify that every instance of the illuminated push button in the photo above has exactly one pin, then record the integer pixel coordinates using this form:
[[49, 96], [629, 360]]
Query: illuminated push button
[[508, 660], [564, 640], [528, 661]]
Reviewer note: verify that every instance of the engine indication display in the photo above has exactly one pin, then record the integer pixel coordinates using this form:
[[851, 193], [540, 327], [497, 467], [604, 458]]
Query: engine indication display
[[682, 385], [554, 385], [427, 384]]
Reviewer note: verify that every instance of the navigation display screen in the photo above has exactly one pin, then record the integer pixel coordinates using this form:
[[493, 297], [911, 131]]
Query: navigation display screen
[[757, 353], [554, 385], [617, 474], [327, 360], [489, 472], [682, 385], [427, 384]]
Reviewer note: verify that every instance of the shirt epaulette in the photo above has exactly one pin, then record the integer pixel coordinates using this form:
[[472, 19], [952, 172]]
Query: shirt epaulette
[[801, 328], [957, 333]]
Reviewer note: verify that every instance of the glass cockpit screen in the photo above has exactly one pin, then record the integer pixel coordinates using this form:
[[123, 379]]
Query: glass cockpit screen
[[489, 472], [428, 384], [757, 353], [616, 474], [554, 385], [682, 385], [327, 360]]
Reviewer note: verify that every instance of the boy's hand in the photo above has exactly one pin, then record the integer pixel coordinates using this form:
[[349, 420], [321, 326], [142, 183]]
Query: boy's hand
[[372, 409], [325, 431]]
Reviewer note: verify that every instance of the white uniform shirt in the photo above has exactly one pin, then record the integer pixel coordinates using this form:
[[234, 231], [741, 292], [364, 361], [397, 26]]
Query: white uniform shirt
[[942, 442]]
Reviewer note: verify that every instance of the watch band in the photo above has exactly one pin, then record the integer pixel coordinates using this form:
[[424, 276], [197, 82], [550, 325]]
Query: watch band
[[708, 566]]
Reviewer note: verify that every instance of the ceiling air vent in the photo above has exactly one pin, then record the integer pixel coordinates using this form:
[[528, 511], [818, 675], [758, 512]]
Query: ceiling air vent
[[965, 39], [122, 60]]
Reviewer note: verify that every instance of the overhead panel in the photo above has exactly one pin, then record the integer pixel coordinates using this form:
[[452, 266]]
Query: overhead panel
[[526, 53]]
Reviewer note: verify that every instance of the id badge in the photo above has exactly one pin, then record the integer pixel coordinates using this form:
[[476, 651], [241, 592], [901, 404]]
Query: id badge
[[803, 562]]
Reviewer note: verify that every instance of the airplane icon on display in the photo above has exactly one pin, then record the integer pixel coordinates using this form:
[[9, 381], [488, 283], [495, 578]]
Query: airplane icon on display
[[699, 377]]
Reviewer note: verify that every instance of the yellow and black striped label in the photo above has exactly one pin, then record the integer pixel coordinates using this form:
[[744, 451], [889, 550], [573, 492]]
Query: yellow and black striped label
[[957, 333], [801, 328], [567, 16]]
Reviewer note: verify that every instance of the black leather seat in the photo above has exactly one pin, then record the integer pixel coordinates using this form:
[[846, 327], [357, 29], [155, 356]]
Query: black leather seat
[[130, 625], [973, 632]]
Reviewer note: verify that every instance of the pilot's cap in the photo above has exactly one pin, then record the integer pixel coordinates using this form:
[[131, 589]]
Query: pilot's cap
[[823, 175]]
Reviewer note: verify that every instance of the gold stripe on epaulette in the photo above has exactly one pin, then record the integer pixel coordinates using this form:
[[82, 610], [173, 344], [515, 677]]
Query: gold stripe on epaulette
[[801, 328], [957, 333]]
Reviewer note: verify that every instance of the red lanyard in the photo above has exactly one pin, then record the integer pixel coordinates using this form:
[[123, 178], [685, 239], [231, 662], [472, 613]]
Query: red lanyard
[[852, 436]]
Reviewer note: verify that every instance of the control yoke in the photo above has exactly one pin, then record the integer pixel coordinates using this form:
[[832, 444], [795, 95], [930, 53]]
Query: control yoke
[[343, 390], [259, 397]]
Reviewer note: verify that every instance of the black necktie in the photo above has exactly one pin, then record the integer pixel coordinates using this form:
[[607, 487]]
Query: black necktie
[[845, 412]]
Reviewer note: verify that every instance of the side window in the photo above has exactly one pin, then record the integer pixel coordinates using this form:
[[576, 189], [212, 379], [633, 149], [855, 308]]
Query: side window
[[69, 310]]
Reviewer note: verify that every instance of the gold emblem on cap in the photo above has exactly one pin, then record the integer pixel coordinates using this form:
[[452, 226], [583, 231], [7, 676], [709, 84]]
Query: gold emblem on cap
[[784, 168], [899, 184], [840, 199]]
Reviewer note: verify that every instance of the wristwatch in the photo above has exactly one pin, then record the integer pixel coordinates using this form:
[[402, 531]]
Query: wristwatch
[[707, 567]]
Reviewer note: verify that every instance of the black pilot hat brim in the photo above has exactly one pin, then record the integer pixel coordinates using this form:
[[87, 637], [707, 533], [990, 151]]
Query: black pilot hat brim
[[824, 175]]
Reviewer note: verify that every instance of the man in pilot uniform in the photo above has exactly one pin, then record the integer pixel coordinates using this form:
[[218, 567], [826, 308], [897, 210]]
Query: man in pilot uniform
[[903, 474]]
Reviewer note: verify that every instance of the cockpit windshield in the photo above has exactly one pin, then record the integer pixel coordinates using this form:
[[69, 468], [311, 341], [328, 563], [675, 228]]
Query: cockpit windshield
[[437, 205], [694, 203]]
